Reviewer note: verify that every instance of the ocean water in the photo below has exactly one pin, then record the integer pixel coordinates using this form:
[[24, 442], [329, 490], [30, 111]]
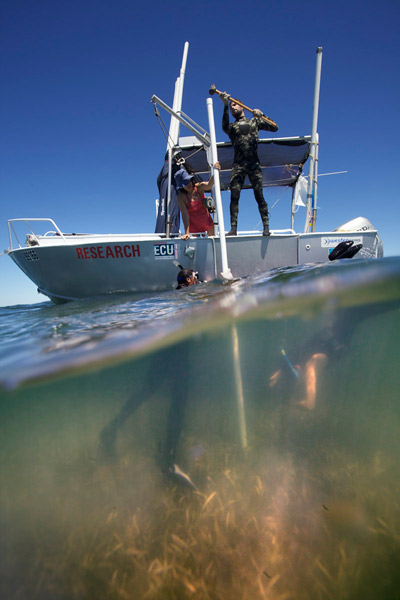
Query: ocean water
[[218, 442]]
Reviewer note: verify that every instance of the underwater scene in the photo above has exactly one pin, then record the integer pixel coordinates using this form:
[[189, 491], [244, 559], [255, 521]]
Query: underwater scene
[[218, 442]]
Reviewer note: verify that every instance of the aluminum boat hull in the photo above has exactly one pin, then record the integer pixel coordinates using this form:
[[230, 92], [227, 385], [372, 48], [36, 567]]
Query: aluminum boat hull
[[87, 266]]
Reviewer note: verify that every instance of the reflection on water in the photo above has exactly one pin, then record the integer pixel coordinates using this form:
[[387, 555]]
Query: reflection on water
[[92, 508]]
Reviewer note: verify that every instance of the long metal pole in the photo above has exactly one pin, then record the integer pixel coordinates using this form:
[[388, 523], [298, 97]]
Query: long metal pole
[[226, 272], [309, 215], [180, 90], [315, 191], [170, 146], [239, 388], [172, 122], [174, 131], [293, 207]]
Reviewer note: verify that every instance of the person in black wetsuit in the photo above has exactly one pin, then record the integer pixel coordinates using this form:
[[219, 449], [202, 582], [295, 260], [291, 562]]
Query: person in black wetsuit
[[243, 134]]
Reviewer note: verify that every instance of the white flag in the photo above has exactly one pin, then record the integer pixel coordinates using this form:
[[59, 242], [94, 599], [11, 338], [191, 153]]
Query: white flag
[[300, 192]]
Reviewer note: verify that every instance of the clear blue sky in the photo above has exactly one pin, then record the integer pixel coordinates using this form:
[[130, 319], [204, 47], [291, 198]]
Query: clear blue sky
[[80, 143]]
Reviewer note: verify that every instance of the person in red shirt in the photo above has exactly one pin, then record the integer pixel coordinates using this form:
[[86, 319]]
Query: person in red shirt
[[192, 203]]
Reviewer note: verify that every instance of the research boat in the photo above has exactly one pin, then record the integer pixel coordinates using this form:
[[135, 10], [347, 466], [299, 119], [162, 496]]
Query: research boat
[[71, 266]]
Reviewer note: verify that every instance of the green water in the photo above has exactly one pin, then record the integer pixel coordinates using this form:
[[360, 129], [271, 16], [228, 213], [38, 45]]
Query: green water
[[308, 509]]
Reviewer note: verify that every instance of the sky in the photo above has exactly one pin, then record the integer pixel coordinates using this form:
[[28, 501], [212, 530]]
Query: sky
[[80, 143]]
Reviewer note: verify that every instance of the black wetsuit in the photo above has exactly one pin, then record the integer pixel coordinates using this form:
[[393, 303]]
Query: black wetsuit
[[243, 134]]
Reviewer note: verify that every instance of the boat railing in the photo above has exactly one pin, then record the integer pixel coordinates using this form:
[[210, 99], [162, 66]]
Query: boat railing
[[254, 232], [33, 237]]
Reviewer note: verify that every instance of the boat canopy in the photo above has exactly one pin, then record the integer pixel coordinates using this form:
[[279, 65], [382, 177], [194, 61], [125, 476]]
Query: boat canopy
[[281, 160]]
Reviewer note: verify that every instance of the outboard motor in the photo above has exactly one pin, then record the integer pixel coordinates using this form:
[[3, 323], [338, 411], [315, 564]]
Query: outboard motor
[[361, 225], [358, 224], [345, 250]]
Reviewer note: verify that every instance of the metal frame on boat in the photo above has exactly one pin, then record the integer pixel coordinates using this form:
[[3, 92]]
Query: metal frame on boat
[[72, 266]]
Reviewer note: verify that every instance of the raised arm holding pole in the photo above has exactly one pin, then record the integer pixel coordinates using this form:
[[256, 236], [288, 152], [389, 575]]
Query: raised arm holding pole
[[213, 90]]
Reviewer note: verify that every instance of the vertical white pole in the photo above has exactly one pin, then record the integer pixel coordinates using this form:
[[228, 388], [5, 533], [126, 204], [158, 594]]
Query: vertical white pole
[[226, 272], [173, 120], [315, 191], [239, 388], [309, 215], [293, 208], [174, 129], [170, 145], [180, 91]]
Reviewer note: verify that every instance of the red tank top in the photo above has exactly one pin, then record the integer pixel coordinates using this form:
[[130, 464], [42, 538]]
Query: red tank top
[[199, 217]]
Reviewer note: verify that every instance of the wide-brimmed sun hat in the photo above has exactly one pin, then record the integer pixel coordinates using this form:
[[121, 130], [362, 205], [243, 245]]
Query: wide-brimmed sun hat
[[182, 178]]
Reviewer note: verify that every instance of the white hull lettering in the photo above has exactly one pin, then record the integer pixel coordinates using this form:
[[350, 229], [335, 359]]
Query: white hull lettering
[[166, 250]]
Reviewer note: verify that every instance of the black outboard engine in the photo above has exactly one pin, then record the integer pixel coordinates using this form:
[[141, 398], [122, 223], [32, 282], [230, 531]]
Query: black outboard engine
[[345, 250]]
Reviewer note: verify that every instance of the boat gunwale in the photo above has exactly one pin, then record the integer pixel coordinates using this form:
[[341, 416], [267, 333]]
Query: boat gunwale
[[71, 240]]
